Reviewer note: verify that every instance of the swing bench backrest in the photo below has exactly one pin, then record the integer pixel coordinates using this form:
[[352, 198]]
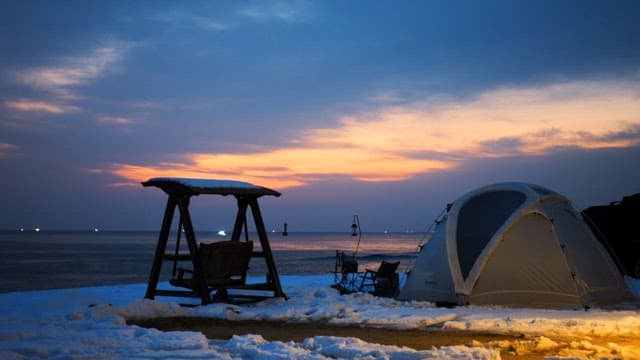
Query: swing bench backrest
[[225, 262]]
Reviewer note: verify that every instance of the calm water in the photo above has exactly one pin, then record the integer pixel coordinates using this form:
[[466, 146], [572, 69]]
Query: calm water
[[49, 260]]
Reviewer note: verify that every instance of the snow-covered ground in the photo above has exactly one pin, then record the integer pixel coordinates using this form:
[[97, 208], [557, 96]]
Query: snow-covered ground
[[90, 323]]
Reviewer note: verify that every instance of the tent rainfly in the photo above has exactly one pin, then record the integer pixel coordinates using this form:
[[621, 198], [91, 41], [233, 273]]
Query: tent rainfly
[[514, 244]]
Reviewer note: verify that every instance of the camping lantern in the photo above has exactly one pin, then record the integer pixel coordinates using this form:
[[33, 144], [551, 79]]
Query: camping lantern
[[356, 230]]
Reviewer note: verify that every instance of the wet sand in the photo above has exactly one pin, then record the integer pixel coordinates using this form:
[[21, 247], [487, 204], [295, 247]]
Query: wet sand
[[511, 346], [282, 331]]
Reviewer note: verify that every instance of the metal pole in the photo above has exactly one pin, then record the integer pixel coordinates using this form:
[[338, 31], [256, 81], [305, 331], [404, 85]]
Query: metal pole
[[356, 220]]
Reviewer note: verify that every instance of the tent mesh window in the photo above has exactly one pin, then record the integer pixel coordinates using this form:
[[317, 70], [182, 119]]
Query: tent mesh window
[[479, 219]]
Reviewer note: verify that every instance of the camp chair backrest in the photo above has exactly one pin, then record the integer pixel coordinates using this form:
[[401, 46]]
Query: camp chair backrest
[[225, 262], [349, 264], [387, 269]]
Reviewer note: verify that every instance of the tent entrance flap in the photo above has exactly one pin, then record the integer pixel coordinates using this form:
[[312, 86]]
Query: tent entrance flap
[[526, 266]]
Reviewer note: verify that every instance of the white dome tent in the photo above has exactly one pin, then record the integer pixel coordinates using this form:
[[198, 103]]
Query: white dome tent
[[514, 244]]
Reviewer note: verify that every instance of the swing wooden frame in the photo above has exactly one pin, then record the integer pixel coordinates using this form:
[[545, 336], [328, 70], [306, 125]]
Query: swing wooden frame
[[208, 273]]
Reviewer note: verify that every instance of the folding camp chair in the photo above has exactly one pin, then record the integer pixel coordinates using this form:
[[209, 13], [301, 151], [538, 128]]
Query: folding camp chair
[[384, 281], [345, 272]]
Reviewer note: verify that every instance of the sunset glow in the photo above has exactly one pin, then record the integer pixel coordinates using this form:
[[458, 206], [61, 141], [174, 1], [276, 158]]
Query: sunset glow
[[384, 109], [396, 143]]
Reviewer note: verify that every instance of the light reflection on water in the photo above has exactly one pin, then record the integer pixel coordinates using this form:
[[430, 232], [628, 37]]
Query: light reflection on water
[[331, 241]]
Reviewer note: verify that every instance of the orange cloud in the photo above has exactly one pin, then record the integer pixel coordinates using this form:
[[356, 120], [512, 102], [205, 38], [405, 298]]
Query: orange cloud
[[6, 149], [40, 106], [287, 167], [74, 71], [117, 120], [395, 143], [580, 114]]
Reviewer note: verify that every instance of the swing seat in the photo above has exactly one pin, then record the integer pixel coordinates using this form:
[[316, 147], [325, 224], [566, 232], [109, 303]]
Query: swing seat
[[223, 264]]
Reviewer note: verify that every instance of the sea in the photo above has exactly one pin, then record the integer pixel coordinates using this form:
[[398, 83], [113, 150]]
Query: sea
[[40, 260]]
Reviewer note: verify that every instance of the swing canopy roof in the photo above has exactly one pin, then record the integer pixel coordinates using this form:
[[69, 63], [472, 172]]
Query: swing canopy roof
[[209, 186]]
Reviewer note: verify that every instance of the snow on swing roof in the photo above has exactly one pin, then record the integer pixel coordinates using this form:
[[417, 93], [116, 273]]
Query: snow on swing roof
[[209, 186]]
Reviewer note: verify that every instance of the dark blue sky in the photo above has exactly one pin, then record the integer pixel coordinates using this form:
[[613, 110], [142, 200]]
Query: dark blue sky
[[384, 109]]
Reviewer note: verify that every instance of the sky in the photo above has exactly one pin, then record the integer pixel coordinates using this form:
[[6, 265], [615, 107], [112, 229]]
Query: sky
[[384, 109]]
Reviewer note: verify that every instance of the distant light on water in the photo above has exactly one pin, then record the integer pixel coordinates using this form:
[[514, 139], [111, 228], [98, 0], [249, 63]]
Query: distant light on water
[[222, 233], [298, 253], [95, 230], [37, 229]]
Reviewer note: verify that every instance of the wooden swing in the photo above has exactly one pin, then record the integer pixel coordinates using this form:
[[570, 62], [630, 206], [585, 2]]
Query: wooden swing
[[219, 266]]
